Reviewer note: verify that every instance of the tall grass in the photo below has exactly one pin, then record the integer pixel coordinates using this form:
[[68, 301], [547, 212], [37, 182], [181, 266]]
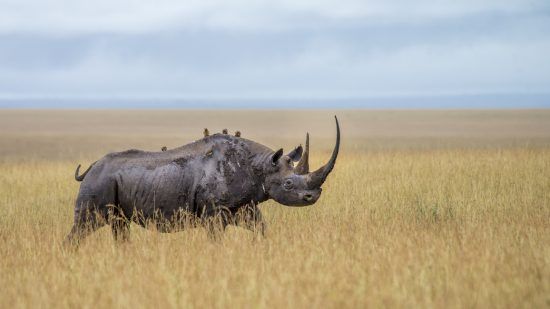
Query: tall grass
[[427, 227]]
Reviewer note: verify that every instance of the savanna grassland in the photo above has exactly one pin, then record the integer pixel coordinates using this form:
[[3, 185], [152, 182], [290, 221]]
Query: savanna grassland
[[424, 209]]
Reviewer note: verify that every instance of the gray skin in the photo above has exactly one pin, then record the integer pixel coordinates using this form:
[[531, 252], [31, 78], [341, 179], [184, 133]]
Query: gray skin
[[215, 181]]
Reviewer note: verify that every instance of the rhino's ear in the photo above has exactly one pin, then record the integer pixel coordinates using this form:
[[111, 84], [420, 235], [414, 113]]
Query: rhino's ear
[[276, 156], [296, 154]]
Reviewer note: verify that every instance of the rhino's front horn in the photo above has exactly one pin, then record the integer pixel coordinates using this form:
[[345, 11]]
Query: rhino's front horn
[[302, 167], [317, 178]]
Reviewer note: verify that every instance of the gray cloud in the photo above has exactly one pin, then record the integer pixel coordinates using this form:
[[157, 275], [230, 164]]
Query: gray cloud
[[135, 16], [267, 49]]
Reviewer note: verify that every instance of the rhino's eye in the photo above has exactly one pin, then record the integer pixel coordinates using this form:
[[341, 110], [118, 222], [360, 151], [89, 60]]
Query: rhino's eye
[[288, 184]]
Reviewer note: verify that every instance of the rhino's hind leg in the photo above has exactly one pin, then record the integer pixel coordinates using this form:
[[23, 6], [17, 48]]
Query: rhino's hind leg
[[120, 225], [86, 221]]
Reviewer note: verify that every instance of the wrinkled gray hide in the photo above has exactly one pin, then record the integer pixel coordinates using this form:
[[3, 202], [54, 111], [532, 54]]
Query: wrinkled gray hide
[[215, 181]]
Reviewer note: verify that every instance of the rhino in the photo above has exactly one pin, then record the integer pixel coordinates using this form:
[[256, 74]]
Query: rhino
[[213, 182]]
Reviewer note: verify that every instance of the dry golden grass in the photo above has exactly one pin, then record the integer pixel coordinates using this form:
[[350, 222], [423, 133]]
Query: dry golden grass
[[424, 208]]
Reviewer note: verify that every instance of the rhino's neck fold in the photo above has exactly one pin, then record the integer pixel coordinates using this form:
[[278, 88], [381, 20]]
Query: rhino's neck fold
[[259, 162]]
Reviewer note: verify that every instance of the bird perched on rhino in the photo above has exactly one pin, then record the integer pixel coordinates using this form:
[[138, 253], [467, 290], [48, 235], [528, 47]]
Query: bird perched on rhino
[[213, 182]]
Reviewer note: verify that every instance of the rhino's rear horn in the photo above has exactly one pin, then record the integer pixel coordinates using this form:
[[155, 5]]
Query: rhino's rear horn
[[302, 167], [317, 178]]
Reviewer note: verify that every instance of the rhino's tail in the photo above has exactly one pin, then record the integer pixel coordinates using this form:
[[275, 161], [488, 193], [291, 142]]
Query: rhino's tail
[[81, 177]]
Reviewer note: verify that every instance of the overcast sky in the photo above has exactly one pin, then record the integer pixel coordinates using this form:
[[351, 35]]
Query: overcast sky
[[273, 49]]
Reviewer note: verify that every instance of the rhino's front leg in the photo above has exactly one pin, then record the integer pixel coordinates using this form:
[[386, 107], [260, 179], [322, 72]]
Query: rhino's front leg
[[250, 217], [216, 223]]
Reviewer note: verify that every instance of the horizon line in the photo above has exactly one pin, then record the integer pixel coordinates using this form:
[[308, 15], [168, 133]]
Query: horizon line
[[435, 101]]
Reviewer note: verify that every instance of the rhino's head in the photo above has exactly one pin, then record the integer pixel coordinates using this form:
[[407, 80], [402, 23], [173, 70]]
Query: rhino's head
[[296, 186]]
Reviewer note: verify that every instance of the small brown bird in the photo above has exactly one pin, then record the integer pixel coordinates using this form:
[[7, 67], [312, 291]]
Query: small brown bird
[[238, 133], [164, 148], [206, 133], [224, 131]]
